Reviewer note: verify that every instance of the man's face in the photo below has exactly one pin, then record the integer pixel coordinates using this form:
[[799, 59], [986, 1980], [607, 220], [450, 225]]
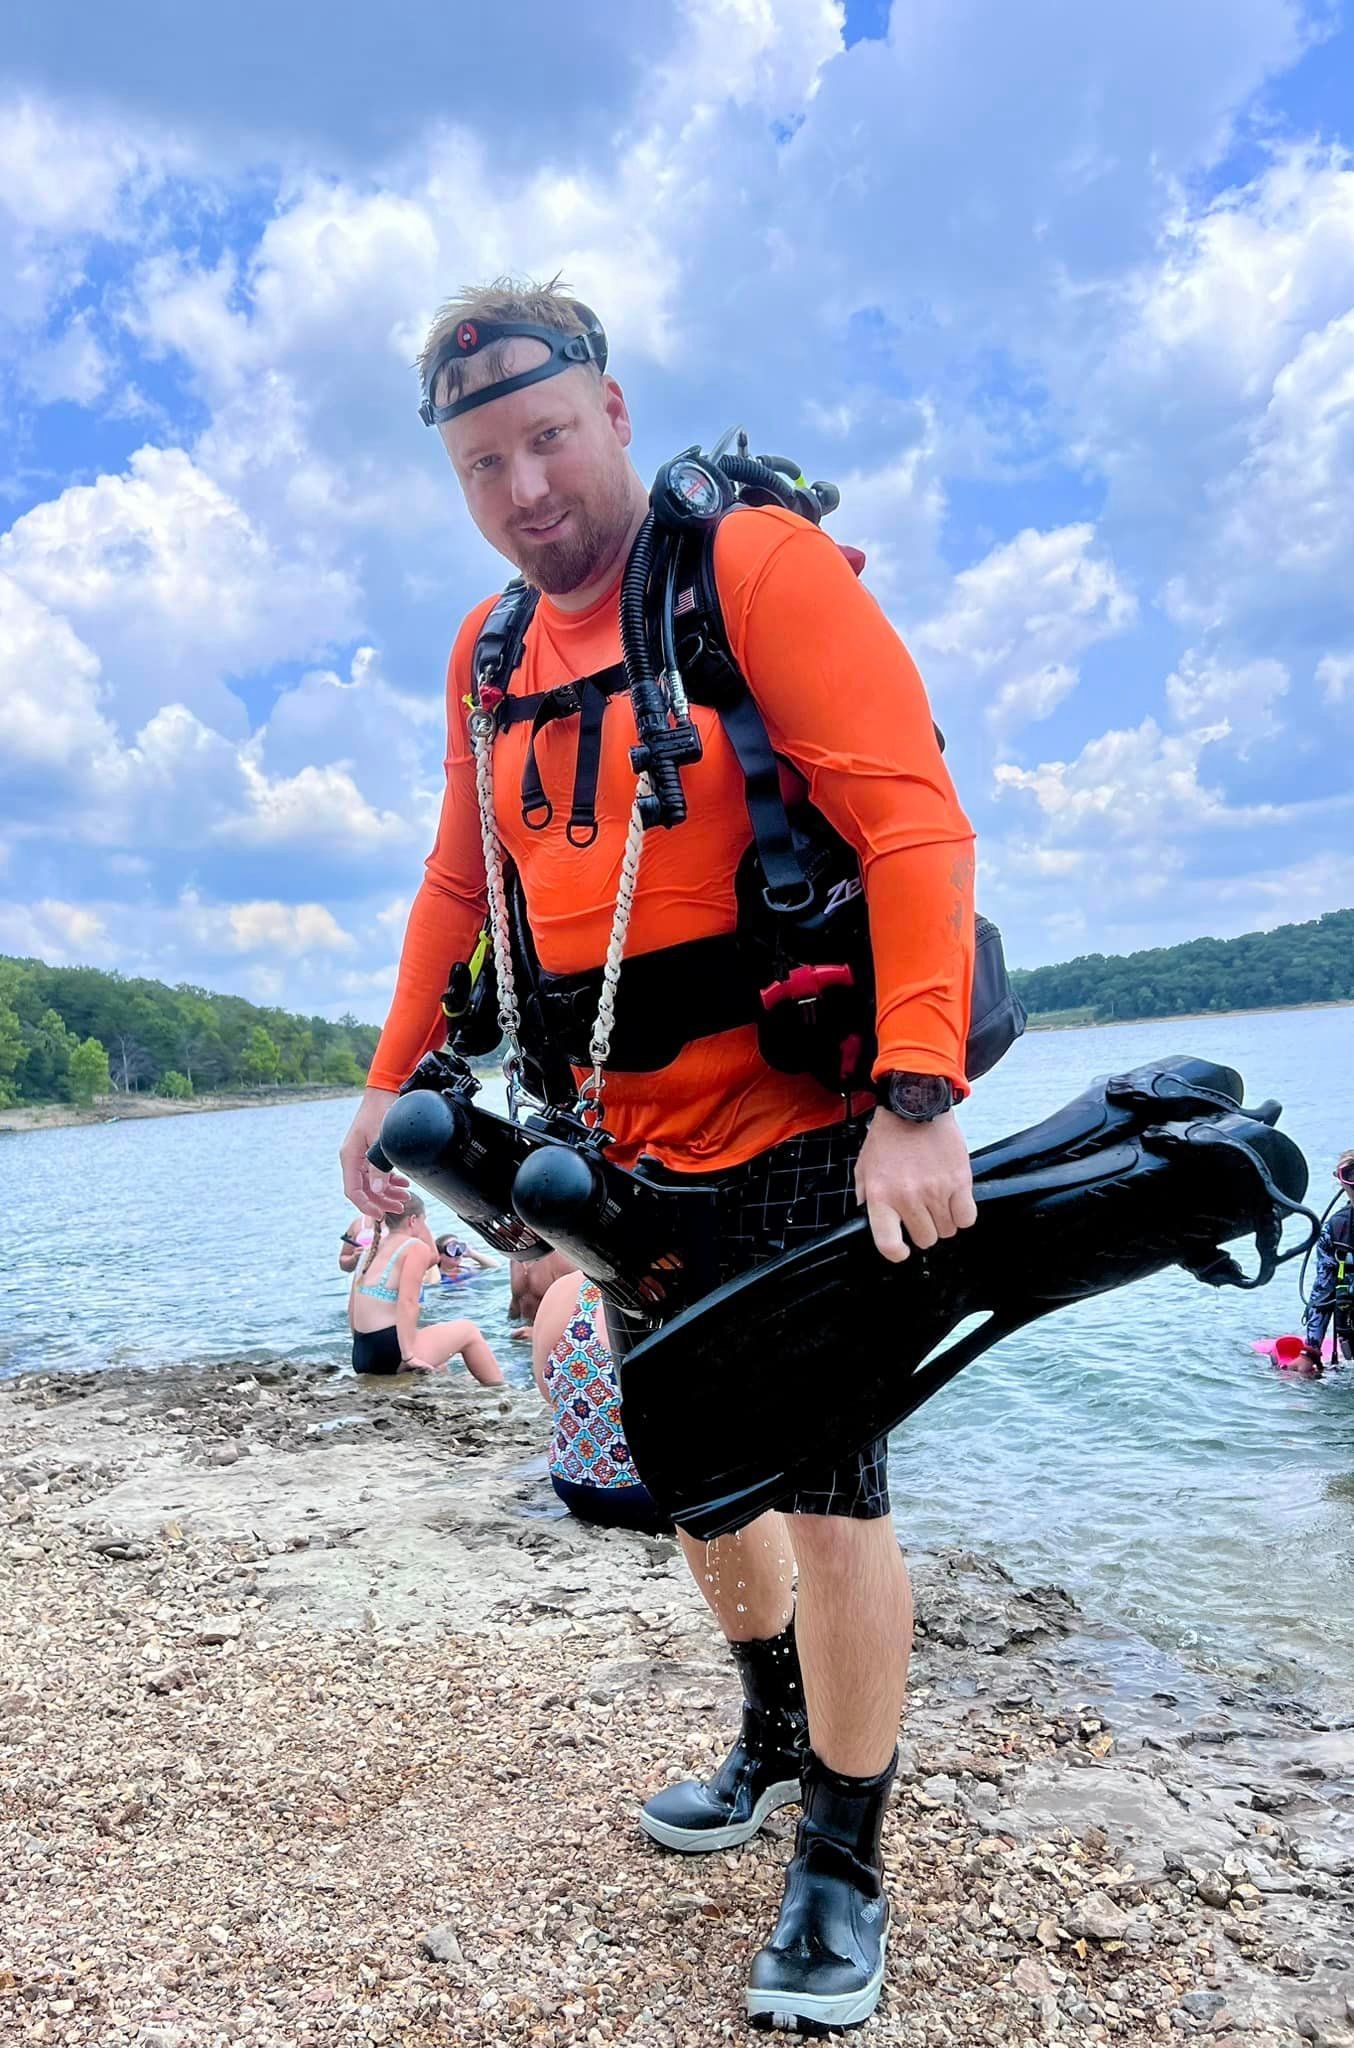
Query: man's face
[[545, 473]]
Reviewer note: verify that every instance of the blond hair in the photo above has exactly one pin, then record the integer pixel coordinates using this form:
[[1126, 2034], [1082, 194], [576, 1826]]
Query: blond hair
[[413, 1206], [504, 300]]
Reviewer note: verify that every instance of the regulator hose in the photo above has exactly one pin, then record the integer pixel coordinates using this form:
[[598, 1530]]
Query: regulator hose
[[749, 473], [662, 748], [1334, 1201]]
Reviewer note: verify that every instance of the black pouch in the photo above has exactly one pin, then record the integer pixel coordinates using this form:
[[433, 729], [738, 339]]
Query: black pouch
[[997, 1015]]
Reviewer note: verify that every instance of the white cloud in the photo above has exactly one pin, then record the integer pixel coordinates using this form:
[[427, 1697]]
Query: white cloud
[[1292, 894], [262, 926], [1213, 390], [1028, 698], [373, 981], [50, 690], [757, 53], [1242, 694], [65, 179], [1133, 784], [317, 807], [1040, 591], [1292, 499], [56, 931], [1017, 621], [894, 511], [180, 783], [1335, 673], [174, 585], [1243, 280], [286, 927], [75, 366]]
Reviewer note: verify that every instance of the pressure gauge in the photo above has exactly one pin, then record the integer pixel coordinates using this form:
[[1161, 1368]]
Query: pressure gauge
[[688, 493]]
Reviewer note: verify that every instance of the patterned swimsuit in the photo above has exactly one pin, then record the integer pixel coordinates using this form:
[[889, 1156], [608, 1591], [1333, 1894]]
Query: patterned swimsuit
[[588, 1445], [591, 1468]]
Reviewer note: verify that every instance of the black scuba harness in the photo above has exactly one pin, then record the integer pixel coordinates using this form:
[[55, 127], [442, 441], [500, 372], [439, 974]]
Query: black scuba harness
[[798, 963]]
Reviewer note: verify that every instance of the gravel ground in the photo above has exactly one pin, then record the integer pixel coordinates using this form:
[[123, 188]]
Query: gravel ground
[[317, 1727]]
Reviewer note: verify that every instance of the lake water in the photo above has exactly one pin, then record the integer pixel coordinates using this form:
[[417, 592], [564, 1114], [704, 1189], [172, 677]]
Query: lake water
[[1134, 1448]]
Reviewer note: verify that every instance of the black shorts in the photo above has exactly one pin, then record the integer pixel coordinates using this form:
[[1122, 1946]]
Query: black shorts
[[377, 1350], [769, 1205]]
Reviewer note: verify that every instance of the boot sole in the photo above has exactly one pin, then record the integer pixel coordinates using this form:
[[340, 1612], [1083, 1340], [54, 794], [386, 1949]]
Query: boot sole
[[801, 2011], [700, 1841]]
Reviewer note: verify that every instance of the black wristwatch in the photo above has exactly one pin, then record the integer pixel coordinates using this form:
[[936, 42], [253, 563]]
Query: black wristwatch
[[919, 1098]]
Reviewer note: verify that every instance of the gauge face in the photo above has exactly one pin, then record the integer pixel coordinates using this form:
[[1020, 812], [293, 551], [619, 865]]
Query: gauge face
[[693, 491]]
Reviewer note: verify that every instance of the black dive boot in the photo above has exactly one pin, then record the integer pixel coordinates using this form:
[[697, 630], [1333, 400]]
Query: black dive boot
[[761, 1771], [824, 1964]]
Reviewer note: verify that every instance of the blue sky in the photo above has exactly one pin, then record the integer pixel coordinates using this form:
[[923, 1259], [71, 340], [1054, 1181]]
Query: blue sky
[[1062, 297]]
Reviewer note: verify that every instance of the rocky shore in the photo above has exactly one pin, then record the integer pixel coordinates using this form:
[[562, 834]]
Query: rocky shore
[[317, 1726], [132, 1108]]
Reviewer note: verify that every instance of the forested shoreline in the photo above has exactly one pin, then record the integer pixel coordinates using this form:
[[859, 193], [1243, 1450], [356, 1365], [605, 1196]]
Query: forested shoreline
[[69, 1034], [1287, 967]]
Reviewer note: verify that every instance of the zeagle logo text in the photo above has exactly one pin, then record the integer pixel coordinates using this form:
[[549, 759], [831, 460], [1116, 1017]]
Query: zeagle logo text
[[842, 892]]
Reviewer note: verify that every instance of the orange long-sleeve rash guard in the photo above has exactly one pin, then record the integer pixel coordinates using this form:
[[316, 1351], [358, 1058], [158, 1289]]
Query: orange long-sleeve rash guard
[[844, 705]]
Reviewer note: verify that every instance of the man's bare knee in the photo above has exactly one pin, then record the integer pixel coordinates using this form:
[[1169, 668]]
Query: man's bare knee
[[827, 1544]]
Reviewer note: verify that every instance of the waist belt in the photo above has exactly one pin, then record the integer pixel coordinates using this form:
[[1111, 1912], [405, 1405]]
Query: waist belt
[[663, 1001]]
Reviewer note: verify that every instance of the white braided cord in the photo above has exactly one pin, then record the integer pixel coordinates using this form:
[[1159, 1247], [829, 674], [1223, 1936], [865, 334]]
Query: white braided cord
[[599, 1051], [509, 1018]]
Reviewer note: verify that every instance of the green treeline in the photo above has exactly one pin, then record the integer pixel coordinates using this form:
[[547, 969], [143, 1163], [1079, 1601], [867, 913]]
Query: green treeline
[[1295, 963], [68, 1034]]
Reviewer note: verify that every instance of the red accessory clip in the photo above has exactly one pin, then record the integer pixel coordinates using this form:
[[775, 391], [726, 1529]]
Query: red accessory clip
[[851, 1050], [806, 984], [491, 696]]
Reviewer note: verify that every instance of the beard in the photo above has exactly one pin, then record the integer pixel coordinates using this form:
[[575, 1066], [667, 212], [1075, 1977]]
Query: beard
[[594, 534]]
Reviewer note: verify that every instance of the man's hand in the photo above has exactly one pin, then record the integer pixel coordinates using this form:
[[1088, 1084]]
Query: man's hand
[[914, 1178], [375, 1194]]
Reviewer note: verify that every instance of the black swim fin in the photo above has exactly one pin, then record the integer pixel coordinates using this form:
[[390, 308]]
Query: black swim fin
[[799, 1362]]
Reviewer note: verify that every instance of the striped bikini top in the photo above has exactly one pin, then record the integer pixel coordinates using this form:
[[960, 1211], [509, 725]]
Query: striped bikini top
[[381, 1290]]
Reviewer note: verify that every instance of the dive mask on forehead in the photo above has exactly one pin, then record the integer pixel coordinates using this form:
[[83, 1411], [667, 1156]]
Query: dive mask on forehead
[[471, 336]]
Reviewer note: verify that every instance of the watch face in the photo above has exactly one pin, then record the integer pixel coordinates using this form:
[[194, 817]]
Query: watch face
[[919, 1097]]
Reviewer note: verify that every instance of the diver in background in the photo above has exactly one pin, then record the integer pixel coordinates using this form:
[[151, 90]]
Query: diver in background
[[1332, 1296], [457, 1262]]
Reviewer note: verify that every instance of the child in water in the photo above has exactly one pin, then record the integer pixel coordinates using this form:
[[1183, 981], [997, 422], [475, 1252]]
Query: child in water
[[1332, 1295], [590, 1464], [457, 1262], [383, 1306]]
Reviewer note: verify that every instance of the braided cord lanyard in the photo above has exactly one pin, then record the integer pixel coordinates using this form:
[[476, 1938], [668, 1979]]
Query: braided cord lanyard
[[589, 1103], [509, 1017]]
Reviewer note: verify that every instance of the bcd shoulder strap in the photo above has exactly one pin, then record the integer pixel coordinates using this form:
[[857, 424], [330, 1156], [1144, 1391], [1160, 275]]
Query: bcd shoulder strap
[[498, 648]]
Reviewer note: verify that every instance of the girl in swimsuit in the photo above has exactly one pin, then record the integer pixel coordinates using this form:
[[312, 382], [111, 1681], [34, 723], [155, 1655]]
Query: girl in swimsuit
[[383, 1306], [591, 1468]]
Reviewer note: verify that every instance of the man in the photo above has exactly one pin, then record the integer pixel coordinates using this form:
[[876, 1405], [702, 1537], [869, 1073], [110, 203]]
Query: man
[[528, 1286], [537, 434]]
